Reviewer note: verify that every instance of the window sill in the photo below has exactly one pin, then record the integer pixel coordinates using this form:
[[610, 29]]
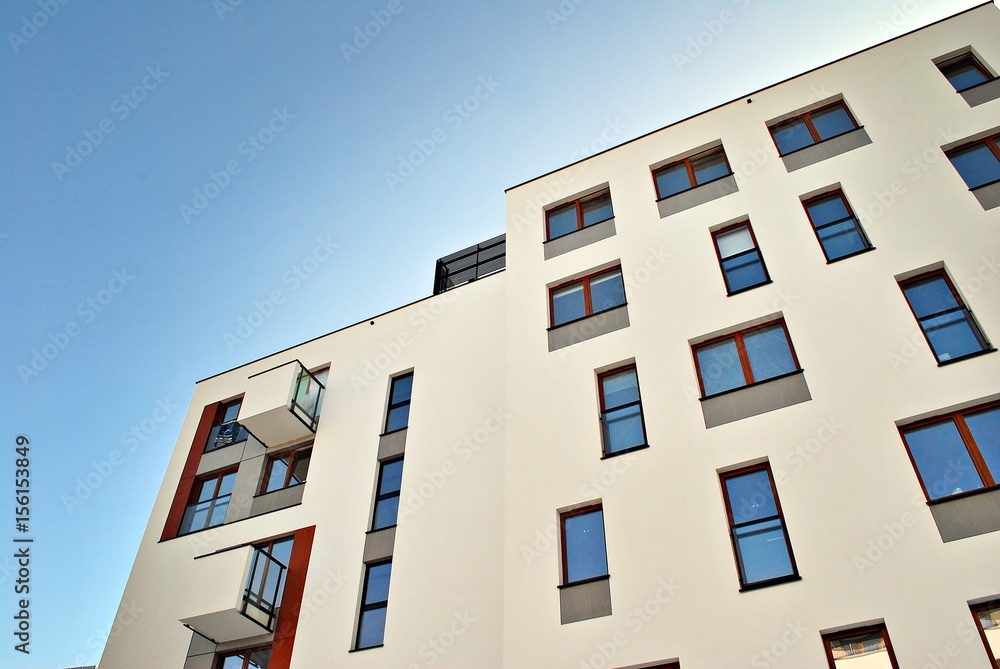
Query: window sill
[[730, 293], [571, 241], [271, 492], [988, 194], [827, 148], [850, 255], [582, 329], [967, 514], [761, 397], [791, 578], [398, 429], [583, 318], [573, 232], [381, 529], [752, 385], [963, 495], [976, 354], [700, 194], [981, 93], [358, 650], [584, 581], [822, 141], [624, 451]]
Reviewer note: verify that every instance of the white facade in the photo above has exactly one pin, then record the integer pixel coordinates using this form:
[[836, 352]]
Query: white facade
[[504, 427]]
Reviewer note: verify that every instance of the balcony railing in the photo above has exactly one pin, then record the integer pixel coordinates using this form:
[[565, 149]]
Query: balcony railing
[[470, 264], [262, 595], [282, 404], [230, 432]]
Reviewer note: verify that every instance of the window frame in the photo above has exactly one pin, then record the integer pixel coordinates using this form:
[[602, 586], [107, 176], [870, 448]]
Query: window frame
[[296, 453], [971, 58], [839, 192], [989, 481], [196, 488], [219, 420], [366, 607], [858, 631], [564, 549], [970, 318], [394, 406], [737, 335], [975, 609], [381, 497], [688, 164], [221, 658], [733, 526], [588, 306], [756, 248], [806, 117], [578, 203], [602, 403], [991, 142]]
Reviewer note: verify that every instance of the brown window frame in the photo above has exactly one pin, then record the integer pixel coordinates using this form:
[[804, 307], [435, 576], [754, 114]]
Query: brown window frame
[[587, 300], [780, 515], [992, 143], [604, 410], [756, 247], [970, 317], [858, 631], [975, 454], [975, 609], [590, 508], [221, 658], [688, 163], [839, 192], [196, 489], [296, 452], [578, 203], [220, 419], [806, 117], [969, 57], [744, 357]]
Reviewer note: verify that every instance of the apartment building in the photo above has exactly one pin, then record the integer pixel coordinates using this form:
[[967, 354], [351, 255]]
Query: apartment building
[[726, 395]]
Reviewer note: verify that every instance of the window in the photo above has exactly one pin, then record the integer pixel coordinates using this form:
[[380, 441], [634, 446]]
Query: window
[[812, 127], [837, 228], [578, 214], [246, 659], [964, 72], [745, 357], [946, 322], [398, 415], [309, 392], [760, 541], [390, 478], [374, 601], [621, 411], [740, 259], [987, 617], [956, 453], [266, 582], [209, 502], [587, 296], [978, 163], [585, 556], [695, 171], [871, 643], [286, 469], [225, 429]]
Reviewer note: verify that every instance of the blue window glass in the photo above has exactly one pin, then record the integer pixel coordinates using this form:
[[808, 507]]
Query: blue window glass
[[621, 411], [759, 538], [839, 232], [945, 321], [583, 544], [742, 264], [812, 127], [374, 602], [398, 415], [387, 498], [984, 427], [579, 214], [832, 121], [964, 72], [607, 291], [596, 209], [588, 296], [568, 304], [691, 172], [723, 364], [978, 164], [211, 501], [769, 353], [562, 221], [792, 136], [719, 366]]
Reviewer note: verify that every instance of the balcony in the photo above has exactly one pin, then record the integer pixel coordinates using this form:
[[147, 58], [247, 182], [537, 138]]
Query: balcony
[[470, 264], [282, 404], [234, 594]]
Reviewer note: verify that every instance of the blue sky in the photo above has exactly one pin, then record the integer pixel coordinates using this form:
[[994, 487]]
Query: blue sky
[[190, 185]]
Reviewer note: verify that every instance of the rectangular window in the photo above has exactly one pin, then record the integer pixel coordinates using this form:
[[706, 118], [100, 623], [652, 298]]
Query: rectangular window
[[398, 415], [837, 228], [309, 389], [266, 581], [258, 658], [964, 72], [757, 528], [987, 617], [621, 411], [585, 555], [812, 127], [286, 469], [745, 357], [740, 259], [374, 602], [956, 453], [946, 322], [225, 429], [691, 172], [390, 477], [209, 502], [587, 296], [871, 643], [578, 214], [978, 163]]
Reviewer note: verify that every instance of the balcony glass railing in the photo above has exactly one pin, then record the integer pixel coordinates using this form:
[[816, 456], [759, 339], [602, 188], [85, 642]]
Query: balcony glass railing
[[262, 595], [308, 398], [202, 515]]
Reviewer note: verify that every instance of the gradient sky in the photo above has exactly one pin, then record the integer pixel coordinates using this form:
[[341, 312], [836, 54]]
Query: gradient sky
[[168, 165]]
